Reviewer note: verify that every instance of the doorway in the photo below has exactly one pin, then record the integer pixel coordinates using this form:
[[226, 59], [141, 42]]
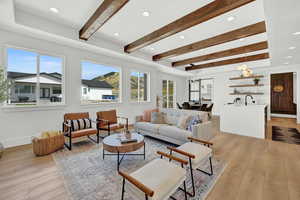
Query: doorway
[[283, 94]]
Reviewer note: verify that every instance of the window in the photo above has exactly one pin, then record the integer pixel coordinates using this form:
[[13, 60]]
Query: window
[[99, 83], [200, 91], [168, 94], [30, 72], [139, 86]]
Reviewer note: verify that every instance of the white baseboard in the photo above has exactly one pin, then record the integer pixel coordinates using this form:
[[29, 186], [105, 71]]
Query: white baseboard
[[16, 141], [283, 115]]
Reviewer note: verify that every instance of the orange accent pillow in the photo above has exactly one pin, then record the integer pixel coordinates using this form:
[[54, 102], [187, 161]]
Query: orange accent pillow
[[147, 114]]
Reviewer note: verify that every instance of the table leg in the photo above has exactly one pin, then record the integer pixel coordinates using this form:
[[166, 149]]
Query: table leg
[[144, 151], [118, 161], [103, 154]]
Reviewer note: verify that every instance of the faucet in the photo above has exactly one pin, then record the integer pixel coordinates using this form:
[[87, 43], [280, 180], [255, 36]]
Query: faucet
[[246, 97]]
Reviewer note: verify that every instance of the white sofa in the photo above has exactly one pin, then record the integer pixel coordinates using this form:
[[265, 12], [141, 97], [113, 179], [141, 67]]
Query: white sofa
[[170, 132]]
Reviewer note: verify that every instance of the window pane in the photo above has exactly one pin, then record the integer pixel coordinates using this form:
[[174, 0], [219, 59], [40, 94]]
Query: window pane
[[22, 73], [206, 90], [138, 86], [134, 86], [171, 94], [194, 96], [51, 77], [99, 83], [143, 87], [164, 93], [195, 85]]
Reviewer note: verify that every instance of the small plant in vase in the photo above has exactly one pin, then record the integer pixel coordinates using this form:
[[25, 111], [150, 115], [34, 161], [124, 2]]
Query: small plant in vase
[[256, 81]]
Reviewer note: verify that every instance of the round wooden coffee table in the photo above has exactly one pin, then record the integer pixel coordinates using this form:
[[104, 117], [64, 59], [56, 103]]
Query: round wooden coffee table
[[113, 145]]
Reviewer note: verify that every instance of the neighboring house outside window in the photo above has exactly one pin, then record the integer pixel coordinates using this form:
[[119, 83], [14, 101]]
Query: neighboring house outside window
[[28, 71], [100, 83], [168, 94], [139, 86]]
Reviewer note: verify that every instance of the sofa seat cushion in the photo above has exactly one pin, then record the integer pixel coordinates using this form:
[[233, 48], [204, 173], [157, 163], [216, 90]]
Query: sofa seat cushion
[[175, 132], [147, 126], [161, 176], [84, 132], [201, 153]]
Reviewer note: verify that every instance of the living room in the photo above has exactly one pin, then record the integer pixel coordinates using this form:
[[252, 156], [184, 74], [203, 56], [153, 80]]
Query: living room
[[97, 97]]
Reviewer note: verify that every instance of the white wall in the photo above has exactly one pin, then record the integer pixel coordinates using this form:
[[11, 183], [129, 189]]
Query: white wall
[[221, 85], [19, 125]]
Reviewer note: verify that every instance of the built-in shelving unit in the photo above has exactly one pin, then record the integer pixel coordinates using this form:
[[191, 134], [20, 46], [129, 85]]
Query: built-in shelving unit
[[247, 93], [249, 77], [246, 85]]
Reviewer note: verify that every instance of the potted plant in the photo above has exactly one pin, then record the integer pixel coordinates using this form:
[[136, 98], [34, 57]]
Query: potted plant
[[256, 81], [4, 86]]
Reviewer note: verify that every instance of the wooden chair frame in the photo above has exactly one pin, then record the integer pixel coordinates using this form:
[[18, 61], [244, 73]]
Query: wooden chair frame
[[192, 156], [108, 129], [69, 134], [148, 192]]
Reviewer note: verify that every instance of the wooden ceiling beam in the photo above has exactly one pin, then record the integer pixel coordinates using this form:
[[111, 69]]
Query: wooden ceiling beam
[[230, 61], [221, 54], [104, 12], [216, 40], [211, 10]]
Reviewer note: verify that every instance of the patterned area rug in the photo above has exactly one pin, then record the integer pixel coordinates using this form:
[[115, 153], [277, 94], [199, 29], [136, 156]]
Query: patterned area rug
[[287, 135], [88, 177]]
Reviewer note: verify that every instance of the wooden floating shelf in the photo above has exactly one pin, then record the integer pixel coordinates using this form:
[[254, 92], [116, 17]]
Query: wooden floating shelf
[[247, 85], [247, 93], [239, 78]]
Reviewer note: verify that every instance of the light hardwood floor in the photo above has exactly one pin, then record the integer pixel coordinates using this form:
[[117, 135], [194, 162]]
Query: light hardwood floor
[[257, 170]]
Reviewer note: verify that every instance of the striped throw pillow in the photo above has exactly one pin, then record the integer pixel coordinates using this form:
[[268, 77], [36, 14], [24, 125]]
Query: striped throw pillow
[[80, 124]]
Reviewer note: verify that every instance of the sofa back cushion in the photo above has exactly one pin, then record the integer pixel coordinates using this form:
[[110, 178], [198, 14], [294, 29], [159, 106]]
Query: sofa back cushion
[[147, 115], [173, 115], [158, 118]]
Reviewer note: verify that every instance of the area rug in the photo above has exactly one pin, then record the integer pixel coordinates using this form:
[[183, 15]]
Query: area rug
[[287, 135], [88, 177]]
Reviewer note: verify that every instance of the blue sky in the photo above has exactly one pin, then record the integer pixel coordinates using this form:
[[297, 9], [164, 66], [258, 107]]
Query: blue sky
[[25, 61]]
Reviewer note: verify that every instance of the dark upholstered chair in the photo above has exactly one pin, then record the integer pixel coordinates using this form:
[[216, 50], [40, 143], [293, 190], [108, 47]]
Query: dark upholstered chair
[[108, 121], [70, 133]]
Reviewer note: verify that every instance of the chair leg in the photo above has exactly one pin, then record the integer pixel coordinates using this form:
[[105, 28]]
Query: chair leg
[[98, 137], [146, 197], [123, 189], [211, 169], [66, 145], [185, 193], [70, 143], [192, 177]]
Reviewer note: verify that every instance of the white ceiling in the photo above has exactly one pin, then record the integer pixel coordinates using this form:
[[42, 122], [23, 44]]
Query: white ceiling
[[131, 25]]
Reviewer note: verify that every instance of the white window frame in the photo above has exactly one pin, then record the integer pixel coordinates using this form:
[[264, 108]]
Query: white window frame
[[148, 87], [108, 65], [39, 53], [174, 93]]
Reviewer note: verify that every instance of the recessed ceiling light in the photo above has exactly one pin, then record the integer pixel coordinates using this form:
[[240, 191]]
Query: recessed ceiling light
[[289, 57], [146, 14], [152, 48], [296, 33], [286, 63], [116, 34], [55, 10], [292, 48], [242, 39], [181, 37], [231, 18]]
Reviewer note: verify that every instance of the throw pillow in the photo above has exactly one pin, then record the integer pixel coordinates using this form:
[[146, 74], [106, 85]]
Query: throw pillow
[[80, 124], [182, 121], [193, 121], [147, 115], [158, 118]]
